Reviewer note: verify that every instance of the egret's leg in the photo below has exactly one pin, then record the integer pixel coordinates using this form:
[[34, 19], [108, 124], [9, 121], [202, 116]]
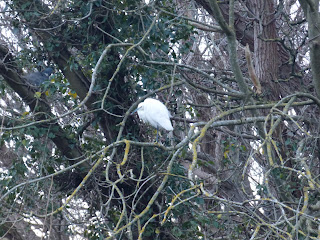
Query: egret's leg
[[157, 135]]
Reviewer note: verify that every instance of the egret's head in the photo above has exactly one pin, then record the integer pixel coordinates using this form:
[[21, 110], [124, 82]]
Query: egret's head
[[138, 109]]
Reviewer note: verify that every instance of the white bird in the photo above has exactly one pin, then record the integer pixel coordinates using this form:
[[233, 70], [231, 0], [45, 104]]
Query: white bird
[[155, 113]]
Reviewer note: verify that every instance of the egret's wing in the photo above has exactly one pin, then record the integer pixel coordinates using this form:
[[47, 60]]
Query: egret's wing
[[158, 115], [166, 124]]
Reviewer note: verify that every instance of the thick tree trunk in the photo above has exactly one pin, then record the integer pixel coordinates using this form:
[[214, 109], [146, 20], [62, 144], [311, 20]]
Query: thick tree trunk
[[267, 58]]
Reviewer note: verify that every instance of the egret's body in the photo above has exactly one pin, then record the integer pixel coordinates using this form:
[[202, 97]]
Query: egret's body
[[155, 113]]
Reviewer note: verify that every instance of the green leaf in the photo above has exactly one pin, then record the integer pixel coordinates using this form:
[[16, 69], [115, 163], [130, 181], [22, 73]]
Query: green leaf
[[176, 232], [37, 95]]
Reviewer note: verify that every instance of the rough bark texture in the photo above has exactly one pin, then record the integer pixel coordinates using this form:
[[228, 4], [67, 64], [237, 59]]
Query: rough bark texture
[[249, 31], [267, 57]]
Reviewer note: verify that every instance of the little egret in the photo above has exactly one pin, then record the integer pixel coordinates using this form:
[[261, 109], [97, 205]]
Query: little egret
[[155, 113]]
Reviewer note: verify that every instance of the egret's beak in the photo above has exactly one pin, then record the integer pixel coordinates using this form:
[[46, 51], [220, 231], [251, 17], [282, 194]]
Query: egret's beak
[[135, 111]]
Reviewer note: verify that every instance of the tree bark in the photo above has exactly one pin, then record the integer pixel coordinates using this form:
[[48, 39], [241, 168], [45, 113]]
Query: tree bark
[[267, 59]]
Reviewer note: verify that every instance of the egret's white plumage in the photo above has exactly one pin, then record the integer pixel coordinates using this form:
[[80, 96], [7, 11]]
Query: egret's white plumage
[[155, 113]]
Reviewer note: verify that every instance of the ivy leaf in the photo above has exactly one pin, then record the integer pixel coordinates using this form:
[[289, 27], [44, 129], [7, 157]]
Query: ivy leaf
[[74, 95], [25, 114], [37, 95]]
